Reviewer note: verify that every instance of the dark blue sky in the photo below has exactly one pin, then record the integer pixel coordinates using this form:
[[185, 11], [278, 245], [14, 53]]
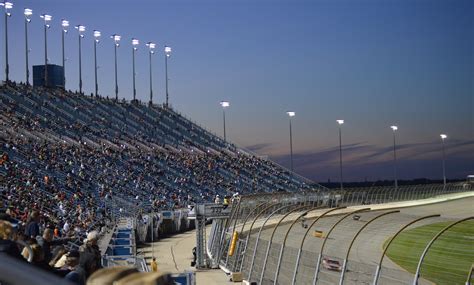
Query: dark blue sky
[[372, 63]]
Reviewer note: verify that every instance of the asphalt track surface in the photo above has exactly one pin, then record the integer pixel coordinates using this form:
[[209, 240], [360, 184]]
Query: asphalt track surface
[[364, 254]]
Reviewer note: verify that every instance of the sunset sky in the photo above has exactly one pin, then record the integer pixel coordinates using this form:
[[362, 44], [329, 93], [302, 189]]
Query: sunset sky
[[372, 63]]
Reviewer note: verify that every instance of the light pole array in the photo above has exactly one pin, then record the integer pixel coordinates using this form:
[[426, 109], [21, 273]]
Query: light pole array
[[116, 39], [151, 50], [167, 55], [46, 19], [394, 129], [443, 137], [290, 115], [64, 25], [81, 29], [7, 6], [340, 122], [135, 43], [224, 104], [96, 41], [27, 12]]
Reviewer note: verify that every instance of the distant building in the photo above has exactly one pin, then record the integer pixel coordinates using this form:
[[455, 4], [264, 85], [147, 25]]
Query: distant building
[[55, 75]]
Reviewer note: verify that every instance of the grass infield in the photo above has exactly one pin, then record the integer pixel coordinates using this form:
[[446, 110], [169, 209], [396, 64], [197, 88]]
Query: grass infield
[[449, 259]]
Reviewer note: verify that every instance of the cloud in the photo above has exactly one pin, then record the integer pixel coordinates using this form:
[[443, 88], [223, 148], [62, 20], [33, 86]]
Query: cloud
[[260, 148], [361, 160]]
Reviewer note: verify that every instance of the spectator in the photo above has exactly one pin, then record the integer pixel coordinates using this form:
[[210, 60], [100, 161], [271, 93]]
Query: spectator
[[91, 249], [154, 265], [32, 227], [6, 244], [75, 274]]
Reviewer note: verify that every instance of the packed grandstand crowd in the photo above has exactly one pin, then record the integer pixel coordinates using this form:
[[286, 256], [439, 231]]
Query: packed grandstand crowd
[[69, 163]]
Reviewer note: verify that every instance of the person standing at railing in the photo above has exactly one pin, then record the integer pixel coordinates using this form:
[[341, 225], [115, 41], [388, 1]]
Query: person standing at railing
[[154, 265]]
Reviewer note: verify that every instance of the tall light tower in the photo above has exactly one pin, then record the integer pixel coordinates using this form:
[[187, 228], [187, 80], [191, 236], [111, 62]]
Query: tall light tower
[[443, 137], [135, 44], [96, 41], [167, 55], [81, 29], [290, 115], [394, 129], [116, 39], [27, 12], [340, 122], [224, 104], [46, 19], [151, 50], [7, 6], [64, 25]]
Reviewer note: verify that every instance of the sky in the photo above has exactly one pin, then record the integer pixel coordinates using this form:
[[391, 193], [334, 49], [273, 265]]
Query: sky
[[373, 63]]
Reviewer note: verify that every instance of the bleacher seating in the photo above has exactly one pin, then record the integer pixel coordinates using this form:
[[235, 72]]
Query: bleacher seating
[[95, 146]]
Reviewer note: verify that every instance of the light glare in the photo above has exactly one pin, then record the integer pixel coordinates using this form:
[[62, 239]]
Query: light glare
[[340, 122], [81, 28], [28, 12], [135, 42], [168, 50], [7, 5], [443, 136], [394, 128], [291, 114], [225, 104], [46, 17], [96, 34]]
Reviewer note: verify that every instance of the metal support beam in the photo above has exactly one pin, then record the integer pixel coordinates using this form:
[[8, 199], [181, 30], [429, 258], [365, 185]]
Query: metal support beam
[[428, 246], [258, 237], [346, 259], [379, 265], [250, 231], [271, 239], [316, 272], [304, 238]]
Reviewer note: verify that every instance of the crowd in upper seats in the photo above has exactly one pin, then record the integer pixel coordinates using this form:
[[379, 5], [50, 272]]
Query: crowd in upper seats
[[104, 158]]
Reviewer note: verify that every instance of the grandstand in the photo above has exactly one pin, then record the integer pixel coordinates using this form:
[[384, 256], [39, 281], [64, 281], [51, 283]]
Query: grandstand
[[155, 151], [83, 162]]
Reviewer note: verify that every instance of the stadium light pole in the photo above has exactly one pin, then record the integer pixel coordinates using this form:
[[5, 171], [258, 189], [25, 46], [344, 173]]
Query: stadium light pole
[[116, 39], [27, 12], [443, 137], [65, 26], [135, 43], [7, 6], [340, 122], [167, 55], [151, 50], [81, 29], [224, 104], [96, 41], [290, 115], [46, 19], [394, 129]]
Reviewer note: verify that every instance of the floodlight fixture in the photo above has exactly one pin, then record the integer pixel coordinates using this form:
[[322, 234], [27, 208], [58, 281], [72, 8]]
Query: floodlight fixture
[[394, 128], [7, 6], [168, 51], [28, 12], [291, 114], [65, 25], [116, 39], [97, 36], [340, 122], [46, 19]]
